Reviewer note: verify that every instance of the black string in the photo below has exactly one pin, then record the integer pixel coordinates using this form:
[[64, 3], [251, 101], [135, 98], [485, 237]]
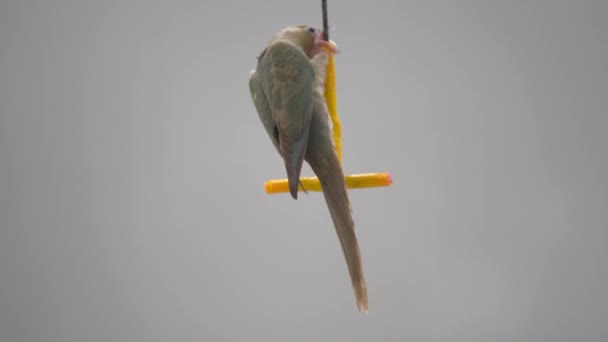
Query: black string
[[325, 28]]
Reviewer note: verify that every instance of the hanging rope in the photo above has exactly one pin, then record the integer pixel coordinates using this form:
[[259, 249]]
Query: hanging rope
[[325, 25]]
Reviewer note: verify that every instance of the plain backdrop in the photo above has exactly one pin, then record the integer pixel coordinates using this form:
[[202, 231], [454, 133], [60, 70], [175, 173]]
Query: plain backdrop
[[132, 164]]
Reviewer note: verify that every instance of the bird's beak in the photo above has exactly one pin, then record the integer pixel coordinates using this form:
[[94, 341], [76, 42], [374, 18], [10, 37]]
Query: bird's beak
[[329, 46]]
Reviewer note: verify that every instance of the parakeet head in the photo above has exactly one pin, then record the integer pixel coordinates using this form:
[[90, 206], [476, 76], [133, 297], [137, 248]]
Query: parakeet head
[[308, 38]]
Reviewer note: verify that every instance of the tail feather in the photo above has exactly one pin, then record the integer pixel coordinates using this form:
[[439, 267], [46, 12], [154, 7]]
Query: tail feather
[[330, 174]]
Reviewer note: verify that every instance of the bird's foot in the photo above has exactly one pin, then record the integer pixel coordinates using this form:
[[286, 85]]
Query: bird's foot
[[303, 188]]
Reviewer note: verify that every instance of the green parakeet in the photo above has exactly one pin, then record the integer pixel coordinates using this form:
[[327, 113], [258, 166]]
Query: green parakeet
[[287, 90]]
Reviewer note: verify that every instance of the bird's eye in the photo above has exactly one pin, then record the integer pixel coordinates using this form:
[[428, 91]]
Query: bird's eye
[[311, 30]]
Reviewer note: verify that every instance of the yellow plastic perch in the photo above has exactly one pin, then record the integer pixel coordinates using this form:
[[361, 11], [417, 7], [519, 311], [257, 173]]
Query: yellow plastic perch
[[365, 180]]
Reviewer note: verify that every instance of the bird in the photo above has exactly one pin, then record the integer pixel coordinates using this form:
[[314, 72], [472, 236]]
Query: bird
[[287, 89]]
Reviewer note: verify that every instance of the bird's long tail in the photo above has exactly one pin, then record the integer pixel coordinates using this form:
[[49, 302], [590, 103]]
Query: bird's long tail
[[330, 174]]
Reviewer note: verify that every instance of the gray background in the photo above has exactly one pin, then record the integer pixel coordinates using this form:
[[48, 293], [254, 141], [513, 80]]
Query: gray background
[[132, 162]]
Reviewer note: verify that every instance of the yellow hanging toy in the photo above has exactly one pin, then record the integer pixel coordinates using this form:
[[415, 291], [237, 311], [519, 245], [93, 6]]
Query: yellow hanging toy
[[357, 181]]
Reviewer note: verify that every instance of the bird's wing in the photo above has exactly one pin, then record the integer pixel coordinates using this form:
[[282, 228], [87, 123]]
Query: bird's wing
[[263, 107], [286, 78]]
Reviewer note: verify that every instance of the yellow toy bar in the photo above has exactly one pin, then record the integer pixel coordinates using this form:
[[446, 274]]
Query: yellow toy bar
[[366, 180]]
